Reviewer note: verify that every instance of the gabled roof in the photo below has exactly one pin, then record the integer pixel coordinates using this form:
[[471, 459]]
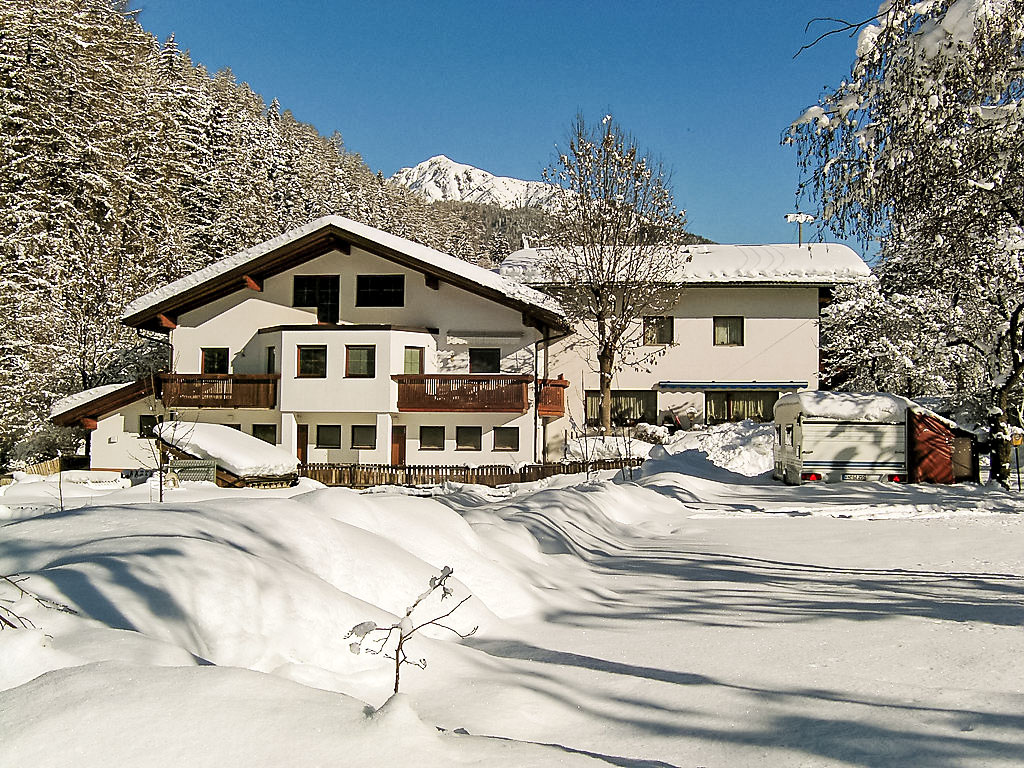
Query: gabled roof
[[820, 264], [321, 236], [92, 404]]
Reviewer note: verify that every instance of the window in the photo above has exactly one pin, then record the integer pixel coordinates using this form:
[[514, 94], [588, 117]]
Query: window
[[468, 438], [413, 360], [364, 436], [506, 438], [380, 290], [265, 432], [728, 331], [328, 436], [628, 407], [271, 359], [146, 424], [312, 362], [320, 291], [738, 405], [215, 359], [485, 360], [360, 361], [431, 438], [658, 330], [789, 434], [233, 426]]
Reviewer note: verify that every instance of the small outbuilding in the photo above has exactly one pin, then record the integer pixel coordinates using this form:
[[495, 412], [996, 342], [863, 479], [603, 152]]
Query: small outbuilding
[[836, 436]]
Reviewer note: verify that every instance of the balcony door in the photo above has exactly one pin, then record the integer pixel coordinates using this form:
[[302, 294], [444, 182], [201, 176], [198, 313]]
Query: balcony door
[[302, 442], [397, 445]]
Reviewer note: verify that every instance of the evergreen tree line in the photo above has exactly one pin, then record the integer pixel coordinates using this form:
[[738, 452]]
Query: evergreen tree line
[[126, 166]]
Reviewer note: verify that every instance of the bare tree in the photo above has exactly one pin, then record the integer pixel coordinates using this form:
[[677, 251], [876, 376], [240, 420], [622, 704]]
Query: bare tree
[[616, 257], [406, 627]]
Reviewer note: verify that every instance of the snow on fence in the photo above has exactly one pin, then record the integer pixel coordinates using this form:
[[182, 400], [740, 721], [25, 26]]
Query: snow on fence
[[367, 475]]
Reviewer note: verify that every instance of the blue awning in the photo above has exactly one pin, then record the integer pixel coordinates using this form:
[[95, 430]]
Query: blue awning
[[700, 386]]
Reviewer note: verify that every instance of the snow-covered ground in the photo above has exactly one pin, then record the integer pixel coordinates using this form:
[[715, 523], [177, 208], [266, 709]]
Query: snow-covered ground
[[698, 615]]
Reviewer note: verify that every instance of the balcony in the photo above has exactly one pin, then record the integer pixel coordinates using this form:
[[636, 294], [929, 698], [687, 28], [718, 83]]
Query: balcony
[[218, 390], [551, 398], [463, 393]]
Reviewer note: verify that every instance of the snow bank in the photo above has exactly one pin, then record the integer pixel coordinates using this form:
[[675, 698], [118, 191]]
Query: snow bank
[[232, 449], [845, 406], [744, 447], [605, 447], [213, 717]]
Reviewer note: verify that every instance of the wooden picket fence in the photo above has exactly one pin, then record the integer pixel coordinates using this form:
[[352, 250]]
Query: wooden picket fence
[[367, 475]]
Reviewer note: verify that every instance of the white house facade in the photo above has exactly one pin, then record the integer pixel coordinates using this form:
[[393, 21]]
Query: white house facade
[[343, 344], [745, 331]]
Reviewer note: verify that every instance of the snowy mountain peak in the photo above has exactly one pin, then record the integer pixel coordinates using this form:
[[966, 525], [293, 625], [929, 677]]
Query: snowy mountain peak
[[441, 178]]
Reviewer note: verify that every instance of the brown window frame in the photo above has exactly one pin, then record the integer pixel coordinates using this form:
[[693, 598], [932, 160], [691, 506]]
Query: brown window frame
[[444, 436], [348, 361], [421, 352], [659, 330], [205, 358], [298, 361], [320, 443]]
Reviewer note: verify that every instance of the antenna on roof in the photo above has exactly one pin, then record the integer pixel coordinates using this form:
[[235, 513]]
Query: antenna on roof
[[799, 219]]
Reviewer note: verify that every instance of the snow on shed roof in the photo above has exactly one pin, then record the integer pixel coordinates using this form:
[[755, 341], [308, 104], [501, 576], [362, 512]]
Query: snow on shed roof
[[391, 246], [810, 263], [232, 449]]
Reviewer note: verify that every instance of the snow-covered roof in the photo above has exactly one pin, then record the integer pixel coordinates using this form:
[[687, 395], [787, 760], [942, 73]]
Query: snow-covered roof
[[433, 262], [84, 397], [232, 449], [810, 263]]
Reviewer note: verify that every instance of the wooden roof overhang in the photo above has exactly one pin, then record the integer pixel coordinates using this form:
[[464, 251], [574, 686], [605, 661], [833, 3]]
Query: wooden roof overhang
[[162, 316], [88, 413]]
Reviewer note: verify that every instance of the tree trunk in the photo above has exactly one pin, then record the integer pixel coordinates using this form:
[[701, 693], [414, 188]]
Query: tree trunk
[[1000, 447], [606, 363]]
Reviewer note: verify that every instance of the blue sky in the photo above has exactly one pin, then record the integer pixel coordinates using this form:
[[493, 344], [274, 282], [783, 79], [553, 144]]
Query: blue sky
[[706, 86]]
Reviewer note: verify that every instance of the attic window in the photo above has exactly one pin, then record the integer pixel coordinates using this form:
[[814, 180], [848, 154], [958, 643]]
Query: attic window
[[320, 291], [380, 290]]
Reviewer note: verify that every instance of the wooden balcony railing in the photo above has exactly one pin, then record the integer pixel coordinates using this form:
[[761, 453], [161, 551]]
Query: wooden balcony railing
[[551, 398], [464, 393], [218, 390]]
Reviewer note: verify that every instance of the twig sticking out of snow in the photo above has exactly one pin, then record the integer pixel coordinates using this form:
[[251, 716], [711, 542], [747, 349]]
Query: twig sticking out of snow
[[10, 619], [406, 627]]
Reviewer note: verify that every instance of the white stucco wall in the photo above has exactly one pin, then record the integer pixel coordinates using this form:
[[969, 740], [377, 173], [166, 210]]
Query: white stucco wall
[[115, 443], [780, 344]]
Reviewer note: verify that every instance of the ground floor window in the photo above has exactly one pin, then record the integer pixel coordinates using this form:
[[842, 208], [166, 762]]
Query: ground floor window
[[364, 436], [506, 438], [431, 438], [737, 405], [629, 407], [265, 432], [328, 436], [468, 438]]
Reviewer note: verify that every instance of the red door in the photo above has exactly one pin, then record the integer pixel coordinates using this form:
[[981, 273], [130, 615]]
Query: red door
[[398, 445], [302, 440]]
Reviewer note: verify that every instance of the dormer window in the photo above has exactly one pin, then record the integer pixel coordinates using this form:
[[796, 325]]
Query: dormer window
[[320, 291], [380, 290]]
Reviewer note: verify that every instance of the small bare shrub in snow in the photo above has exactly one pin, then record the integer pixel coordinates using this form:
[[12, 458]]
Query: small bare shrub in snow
[[406, 627], [651, 433], [10, 618]]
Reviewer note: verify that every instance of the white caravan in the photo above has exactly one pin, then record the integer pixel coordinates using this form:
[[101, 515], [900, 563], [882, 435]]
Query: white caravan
[[834, 436]]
